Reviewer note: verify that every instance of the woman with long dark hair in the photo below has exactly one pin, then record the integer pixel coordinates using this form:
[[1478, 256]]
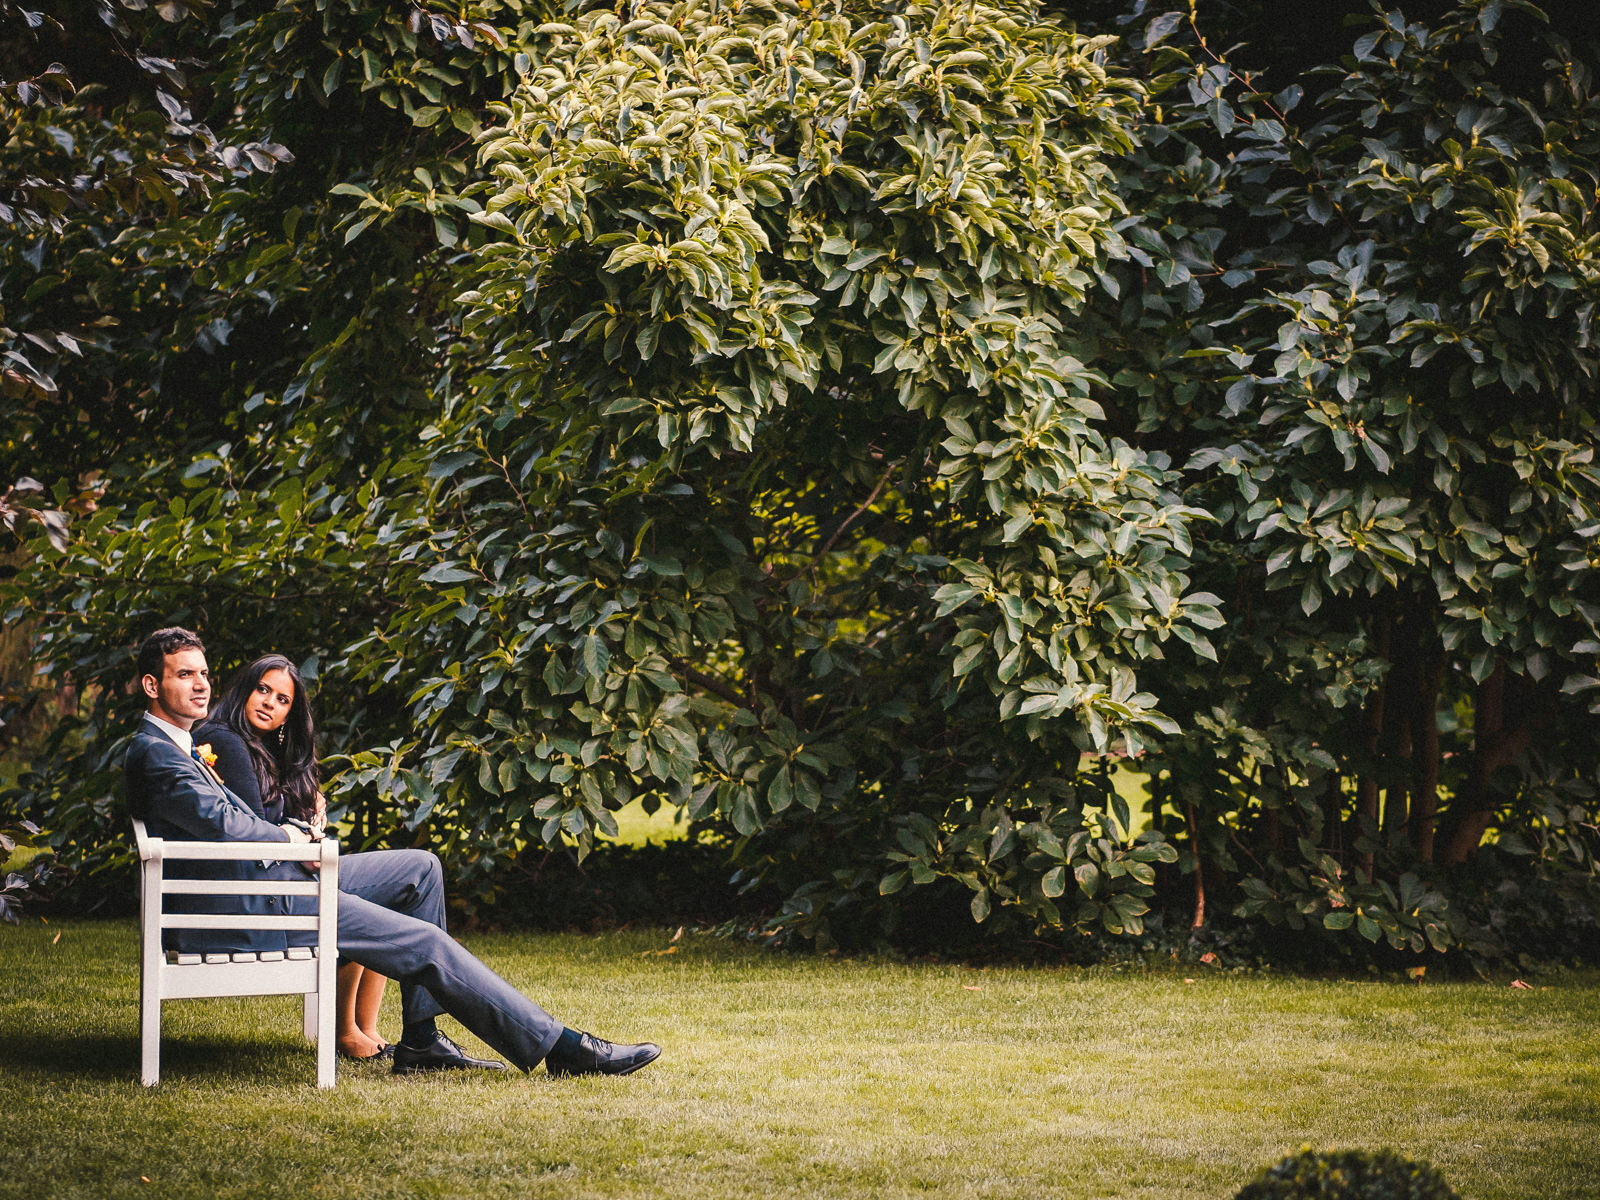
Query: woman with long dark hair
[[265, 745]]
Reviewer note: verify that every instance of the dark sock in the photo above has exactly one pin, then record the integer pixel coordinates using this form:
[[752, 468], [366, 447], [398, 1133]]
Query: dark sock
[[570, 1042], [419, 1034]]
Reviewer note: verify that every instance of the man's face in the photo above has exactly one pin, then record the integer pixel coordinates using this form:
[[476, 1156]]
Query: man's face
[[183, 693]]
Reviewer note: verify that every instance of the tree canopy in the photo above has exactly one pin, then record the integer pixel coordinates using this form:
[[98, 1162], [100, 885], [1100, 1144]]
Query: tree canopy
[[865, 427]]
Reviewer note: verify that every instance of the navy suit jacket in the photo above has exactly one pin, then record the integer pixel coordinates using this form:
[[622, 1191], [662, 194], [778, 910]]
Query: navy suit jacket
[[178, 799]]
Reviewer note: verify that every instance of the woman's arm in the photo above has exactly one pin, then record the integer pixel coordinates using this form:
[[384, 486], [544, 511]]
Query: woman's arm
[[234, 766]]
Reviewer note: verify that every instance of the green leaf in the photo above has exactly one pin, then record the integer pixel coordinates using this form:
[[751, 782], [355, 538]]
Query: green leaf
[[780, 792], [980, 906], [594, 655], [1088, 877]]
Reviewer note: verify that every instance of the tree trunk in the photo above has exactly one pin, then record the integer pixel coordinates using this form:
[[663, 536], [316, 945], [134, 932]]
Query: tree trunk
[[1425, 744], [1199, 870], [1367, 786], [1333, 814], [1494, 746], [1399, 719]]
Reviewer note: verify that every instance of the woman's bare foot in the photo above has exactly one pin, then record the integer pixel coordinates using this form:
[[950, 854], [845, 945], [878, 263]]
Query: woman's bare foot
[[358, 1045]]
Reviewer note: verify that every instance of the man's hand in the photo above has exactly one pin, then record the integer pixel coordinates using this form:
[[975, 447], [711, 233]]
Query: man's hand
[[296, 834]]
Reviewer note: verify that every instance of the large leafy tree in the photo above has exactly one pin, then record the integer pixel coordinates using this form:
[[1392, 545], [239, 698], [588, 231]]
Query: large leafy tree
[[1372, 347], [100, 136], [770, 489], [775, 412], [759, 480]]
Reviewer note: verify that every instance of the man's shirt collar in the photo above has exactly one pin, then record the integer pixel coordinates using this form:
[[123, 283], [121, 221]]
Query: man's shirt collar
[[182, 737]]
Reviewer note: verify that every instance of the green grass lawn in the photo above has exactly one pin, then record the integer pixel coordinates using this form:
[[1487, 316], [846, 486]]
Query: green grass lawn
[[800, 1077]]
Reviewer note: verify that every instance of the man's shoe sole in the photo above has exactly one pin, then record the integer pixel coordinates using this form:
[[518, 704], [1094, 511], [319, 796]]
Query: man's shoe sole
[[638, 1066]]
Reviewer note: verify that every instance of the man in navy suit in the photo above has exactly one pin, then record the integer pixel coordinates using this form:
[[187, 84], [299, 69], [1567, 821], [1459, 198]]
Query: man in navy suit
[[391, 902]]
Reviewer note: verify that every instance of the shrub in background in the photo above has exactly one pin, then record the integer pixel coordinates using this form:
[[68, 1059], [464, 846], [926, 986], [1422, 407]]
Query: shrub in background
[[1347, 1175]]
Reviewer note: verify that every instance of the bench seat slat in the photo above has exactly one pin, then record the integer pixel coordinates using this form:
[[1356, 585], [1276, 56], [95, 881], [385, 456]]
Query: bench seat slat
[[231, 921], [182, 958], [240, 979], [238, 887]]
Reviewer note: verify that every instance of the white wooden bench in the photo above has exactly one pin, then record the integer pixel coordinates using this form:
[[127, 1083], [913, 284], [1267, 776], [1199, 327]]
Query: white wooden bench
[[168, 975]]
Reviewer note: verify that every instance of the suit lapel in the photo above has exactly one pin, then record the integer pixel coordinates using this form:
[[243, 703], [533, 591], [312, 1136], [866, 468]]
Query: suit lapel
[[211, 777], [209, 772]]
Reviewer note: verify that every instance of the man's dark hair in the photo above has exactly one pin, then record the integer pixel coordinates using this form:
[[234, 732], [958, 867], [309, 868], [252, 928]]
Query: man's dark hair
[[153, 654]]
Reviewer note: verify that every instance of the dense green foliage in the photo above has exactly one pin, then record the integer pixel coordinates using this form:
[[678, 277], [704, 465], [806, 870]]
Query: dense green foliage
[[16, 886], [827, 534], [1375, 358], [1347, 1175], [217, 325], [843, 424]]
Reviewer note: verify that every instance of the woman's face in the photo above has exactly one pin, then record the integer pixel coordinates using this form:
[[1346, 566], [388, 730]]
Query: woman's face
[[268, 706]]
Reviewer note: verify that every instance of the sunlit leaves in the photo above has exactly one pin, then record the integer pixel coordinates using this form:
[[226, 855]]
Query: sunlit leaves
[[776, 470]]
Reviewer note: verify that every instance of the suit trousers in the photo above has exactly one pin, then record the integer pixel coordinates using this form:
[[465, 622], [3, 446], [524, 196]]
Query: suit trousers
[[391, 919]]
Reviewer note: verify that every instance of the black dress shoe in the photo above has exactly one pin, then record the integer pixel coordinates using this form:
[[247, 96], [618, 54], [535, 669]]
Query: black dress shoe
[[596, 1056], [441, 1054]]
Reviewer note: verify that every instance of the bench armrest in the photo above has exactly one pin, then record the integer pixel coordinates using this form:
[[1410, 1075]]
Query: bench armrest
[[155, 849]]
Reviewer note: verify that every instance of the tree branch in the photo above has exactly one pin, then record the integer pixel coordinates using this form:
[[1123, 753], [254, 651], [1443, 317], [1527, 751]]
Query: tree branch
[[828, 545], [710, 682]]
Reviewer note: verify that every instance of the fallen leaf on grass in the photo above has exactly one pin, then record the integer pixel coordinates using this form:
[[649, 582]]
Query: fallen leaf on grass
[[1417, 972], [56, 939], [1188, 981], [657, 953], [679, 934], [1208, 957], [973, 987], [1520, 986]]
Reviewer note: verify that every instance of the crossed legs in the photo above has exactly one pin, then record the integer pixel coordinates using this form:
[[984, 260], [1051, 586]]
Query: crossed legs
[[392, 921]]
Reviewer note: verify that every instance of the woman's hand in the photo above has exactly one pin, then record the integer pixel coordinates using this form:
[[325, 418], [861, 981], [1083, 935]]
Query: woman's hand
[[319, 818]]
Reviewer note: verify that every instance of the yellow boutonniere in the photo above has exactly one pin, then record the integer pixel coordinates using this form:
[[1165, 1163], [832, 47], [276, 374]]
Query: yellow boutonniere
[[207, 755]]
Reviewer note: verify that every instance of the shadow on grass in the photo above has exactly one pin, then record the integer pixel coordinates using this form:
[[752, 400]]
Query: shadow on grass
[[113, 1057]]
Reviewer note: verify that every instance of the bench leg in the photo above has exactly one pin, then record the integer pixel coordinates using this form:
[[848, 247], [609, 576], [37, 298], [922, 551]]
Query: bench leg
[[150, 1040], [151, 965], [321, 1009], [310, 1016], [325, 1048]]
